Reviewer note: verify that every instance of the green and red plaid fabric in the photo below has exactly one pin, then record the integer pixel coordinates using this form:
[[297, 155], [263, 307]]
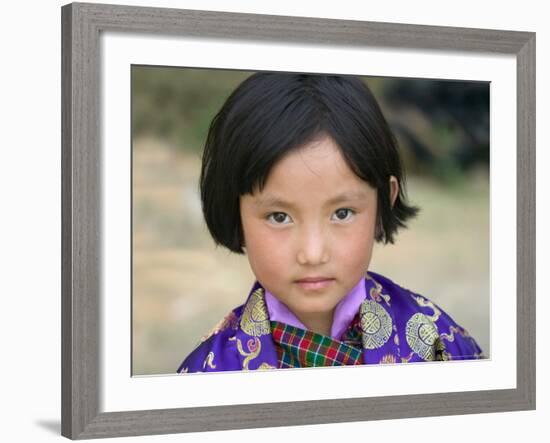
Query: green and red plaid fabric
[[299, 348]]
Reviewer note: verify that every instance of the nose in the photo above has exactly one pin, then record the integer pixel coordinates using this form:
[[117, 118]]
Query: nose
[[313, 248]]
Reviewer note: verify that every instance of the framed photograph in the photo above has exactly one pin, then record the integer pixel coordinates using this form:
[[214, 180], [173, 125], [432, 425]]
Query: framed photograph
[[151, 96]]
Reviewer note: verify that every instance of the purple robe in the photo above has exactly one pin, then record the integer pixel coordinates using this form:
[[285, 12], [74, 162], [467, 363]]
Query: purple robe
[[397, 326]]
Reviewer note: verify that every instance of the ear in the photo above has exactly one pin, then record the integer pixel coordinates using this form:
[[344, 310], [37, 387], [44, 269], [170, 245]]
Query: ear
[[394, 190]]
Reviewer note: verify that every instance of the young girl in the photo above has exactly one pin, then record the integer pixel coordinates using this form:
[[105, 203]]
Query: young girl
[[302, 174]]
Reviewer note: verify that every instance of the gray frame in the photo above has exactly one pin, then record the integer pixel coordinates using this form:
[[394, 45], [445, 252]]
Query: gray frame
[[81, 205]]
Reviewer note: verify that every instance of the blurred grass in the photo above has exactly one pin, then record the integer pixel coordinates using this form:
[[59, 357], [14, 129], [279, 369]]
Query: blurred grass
[[176, 104]]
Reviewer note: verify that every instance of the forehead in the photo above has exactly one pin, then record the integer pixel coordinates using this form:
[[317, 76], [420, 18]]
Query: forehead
[[316, 170]]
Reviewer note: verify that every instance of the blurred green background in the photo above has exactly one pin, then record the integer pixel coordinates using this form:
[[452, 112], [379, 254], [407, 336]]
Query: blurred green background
[[183, 285]]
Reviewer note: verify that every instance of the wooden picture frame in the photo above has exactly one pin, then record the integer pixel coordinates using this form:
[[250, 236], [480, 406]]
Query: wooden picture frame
[[81, 228]]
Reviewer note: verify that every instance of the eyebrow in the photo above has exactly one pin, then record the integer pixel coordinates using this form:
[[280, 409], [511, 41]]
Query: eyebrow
[[271, 200]]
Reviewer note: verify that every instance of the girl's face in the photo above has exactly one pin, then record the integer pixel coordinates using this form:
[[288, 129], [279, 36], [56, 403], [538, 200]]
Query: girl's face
[[309, 233]]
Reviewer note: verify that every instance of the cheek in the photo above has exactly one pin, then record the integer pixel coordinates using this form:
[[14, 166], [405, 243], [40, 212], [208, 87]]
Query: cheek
[[265, 250], [355, 249], [360, 253]]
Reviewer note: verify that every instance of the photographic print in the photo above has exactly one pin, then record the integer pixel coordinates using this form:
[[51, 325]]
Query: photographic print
[[321, 283]]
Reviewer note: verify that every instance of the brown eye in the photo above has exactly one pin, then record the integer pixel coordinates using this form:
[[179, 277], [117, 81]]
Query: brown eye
[[343, 214], [278, 218]]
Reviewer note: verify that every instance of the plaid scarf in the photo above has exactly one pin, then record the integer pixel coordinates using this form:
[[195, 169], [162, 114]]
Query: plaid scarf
[[299, 348]]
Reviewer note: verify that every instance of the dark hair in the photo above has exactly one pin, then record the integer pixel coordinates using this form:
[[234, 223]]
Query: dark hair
[[270, 114]]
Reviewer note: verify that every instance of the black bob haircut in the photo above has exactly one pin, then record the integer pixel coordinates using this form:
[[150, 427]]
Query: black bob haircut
[[270, 114]]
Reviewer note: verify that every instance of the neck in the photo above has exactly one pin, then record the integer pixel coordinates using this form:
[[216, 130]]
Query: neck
[[320, 323]]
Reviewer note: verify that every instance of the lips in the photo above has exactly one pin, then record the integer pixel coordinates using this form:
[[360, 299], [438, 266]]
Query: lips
[[314, 283], [313, 279]]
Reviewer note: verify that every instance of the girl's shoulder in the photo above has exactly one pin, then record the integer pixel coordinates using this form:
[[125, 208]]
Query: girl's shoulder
[[216, 342], [412, 311], [402, 298], [228, 324]]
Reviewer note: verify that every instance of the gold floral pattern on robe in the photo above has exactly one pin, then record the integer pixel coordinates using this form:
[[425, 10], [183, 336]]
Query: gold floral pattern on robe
[[422, 335], [254, 346], [255, 319], [388, 359], [376, 292], [425, 303], [266, 366], [376, 325], [450, 337], [209, 361]]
